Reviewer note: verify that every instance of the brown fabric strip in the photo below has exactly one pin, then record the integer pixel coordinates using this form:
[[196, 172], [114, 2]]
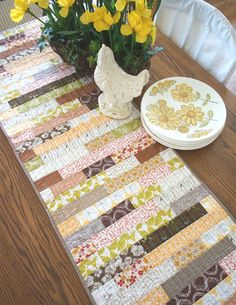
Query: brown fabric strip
[[79, 205], [70, 96], [98, 167], [182, 278], [13, 50], [200, 286], [27, 155], [20, 55], [41, 91], [65, 184], [48, 180], [90, 99], [119, 211], [149, 152], [176, 225]]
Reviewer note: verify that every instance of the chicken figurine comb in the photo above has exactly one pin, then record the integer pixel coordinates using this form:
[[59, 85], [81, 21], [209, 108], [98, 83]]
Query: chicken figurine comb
[[118, 87]]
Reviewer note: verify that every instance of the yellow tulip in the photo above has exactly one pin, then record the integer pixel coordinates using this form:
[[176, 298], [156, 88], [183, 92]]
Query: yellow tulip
[[138, 27], [126, 30], [98, 13], [101, 26], [101, 18], [140, 39], [65, 4], [120, 5], [134, 19], [86, 17], [140, 23], [148, 28], [107, 18], [143, 10], [42, 3], [116, 17], [21, 7], [153, 34]]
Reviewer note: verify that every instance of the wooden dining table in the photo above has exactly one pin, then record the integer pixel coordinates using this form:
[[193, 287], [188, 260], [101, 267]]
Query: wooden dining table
[[35, 267]]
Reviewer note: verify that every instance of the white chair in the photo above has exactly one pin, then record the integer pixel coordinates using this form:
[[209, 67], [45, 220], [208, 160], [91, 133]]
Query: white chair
[[203, 32]]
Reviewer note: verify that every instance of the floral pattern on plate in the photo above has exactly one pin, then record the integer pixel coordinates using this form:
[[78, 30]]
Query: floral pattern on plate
[[183, 109], [167, 118]]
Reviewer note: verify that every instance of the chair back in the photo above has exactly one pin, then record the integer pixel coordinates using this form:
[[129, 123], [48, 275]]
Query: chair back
[[203, 32]]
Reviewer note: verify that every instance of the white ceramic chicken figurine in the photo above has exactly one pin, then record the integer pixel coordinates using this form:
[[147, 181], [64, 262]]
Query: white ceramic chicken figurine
[[118, 87]]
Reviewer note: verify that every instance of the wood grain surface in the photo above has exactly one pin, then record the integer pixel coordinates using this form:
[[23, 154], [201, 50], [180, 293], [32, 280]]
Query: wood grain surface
[[227, 7], [35, 268]]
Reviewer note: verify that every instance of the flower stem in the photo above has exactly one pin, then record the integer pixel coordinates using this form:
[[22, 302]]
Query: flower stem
[[32, 14], [209, 101], [211, 119], [155, 8], [132, 44], [110, 39], [51, 11], [96, 34]]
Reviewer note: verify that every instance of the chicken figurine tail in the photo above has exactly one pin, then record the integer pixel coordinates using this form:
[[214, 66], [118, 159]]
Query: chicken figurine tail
[[118, 87]]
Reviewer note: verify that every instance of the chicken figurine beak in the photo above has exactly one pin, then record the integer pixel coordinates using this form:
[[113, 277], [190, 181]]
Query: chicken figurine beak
[[118, 87]]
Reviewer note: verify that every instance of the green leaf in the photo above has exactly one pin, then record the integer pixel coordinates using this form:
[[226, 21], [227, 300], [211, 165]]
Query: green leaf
[[91, 60], [169, 213], [139, 226], [204, 123], [162, 213], [210, 114], [208, 97], [143, 233], [154, 51], [122, 243], [67, 32], [151, 221], [205, 103], [132, 236], [158, 219]]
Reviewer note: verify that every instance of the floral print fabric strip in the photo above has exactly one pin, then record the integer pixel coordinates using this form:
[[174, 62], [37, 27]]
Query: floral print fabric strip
[[141, 228]]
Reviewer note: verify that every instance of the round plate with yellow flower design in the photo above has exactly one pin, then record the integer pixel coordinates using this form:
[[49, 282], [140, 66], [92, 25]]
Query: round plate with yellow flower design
[[183, 110]]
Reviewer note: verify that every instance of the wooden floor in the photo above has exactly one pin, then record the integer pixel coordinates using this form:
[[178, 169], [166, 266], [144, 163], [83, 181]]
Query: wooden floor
[[228, 8]]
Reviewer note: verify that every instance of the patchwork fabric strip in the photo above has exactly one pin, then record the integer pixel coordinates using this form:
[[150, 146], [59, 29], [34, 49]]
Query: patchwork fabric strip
[[141, 228]]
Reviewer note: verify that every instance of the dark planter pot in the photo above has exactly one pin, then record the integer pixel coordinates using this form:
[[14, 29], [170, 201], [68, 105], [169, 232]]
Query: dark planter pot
[[80, 62]]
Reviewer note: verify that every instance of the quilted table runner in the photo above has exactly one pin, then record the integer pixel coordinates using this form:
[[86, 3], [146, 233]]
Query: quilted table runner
[[140, 227]]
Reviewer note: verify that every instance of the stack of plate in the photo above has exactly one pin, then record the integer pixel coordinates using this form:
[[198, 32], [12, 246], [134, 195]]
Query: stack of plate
[[183, 113]]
